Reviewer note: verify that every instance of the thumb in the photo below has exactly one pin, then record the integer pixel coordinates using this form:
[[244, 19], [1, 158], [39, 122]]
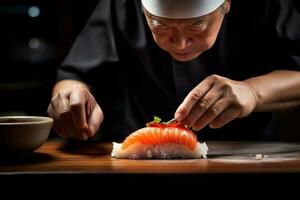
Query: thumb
[[94, 121]]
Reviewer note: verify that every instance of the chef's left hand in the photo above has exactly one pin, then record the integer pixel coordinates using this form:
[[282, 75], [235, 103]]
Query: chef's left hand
[[215, 102]]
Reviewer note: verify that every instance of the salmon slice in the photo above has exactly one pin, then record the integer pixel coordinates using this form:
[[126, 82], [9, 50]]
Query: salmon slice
[[162, 135]]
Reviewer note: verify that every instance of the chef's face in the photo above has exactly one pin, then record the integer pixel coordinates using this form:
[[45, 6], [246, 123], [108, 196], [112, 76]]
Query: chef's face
[[186, 39]]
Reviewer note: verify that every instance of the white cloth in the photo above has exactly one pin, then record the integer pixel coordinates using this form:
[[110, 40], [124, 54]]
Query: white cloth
[[181, 9]]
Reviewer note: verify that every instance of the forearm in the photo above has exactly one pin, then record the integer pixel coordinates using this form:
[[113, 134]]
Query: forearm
[[61, 85], [277, 90]]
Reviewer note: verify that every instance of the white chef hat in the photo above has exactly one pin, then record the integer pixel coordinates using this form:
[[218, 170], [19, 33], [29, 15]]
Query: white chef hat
[[181, 9]]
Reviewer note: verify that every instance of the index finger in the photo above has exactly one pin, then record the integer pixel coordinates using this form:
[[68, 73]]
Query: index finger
[[192, 98]]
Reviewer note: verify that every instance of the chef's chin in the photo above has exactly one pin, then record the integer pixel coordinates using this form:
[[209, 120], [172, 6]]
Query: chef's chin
[[185, 57]]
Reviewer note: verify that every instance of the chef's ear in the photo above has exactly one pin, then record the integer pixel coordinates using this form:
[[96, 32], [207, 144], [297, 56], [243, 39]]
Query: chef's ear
[[145, 12], [227, 6]]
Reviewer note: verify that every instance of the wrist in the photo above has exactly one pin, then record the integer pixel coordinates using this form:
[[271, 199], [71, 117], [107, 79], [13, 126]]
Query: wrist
[[254, 94]]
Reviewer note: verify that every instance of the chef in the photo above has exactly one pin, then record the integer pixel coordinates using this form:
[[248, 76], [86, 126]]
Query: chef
[[220, 67]]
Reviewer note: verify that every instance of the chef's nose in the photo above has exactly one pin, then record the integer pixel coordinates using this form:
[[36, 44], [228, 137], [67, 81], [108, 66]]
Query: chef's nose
[[180, 41]]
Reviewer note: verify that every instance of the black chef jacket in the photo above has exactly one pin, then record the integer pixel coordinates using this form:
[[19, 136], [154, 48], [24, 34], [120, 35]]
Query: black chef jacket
[[134, 80]]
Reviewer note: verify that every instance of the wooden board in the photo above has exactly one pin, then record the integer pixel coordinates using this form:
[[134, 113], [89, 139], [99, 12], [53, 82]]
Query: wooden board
[[57, 156]]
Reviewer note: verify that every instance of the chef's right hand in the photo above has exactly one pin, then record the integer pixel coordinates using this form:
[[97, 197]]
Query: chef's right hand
[[75, 113]]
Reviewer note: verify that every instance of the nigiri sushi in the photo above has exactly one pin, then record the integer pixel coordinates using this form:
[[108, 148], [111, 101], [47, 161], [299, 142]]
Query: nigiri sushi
[[160, 141]]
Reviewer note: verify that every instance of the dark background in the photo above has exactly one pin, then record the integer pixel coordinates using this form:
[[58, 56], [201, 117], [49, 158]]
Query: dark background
[[35, 36]]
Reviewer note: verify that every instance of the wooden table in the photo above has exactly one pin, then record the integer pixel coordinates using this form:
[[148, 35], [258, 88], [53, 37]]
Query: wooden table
[[227, 162], [57, 156]]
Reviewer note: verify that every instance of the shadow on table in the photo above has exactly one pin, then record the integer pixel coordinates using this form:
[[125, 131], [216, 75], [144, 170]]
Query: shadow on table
[[85, 148], [28, 158]]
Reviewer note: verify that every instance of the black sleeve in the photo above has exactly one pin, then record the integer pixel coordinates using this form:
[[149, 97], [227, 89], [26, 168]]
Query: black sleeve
[[94, 59], [283, 22], [95, 48]]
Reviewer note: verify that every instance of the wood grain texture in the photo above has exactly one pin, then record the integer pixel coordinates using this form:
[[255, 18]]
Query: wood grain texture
[[58, 156]]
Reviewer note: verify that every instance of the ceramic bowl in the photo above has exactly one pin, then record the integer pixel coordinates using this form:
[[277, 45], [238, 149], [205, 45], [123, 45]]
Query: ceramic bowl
[[23, 134]]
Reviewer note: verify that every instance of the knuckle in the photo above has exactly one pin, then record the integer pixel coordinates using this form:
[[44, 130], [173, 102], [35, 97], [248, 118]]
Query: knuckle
[[204, 104], [81, 90], [53, 99], [243, 104], [60, 104], [235, 98], [76, 105], [60, 95], [196, 94], [238, 104], [78, 86], [214, 77], [63, 111], [227, 87]]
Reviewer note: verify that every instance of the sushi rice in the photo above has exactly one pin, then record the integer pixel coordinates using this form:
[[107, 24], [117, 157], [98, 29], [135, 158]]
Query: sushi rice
[[158, 151]]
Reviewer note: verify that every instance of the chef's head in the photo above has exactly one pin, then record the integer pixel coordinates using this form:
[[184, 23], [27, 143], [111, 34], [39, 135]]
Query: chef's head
[[185, 28]]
